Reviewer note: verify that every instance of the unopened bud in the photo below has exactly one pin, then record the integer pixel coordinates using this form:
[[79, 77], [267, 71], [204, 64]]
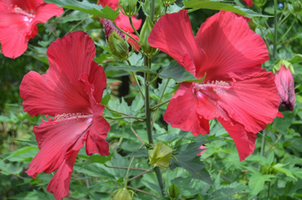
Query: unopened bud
[[109, 28], [118, 46], [173, 191], [297, 6], [129, 7], [123, 194], [143, 42], [285, 84], [160, 156], [259, 3], [159, 9]]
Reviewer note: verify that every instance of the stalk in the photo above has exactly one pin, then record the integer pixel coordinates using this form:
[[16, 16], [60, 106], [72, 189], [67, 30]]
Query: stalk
[[149, 125], [275, 29]]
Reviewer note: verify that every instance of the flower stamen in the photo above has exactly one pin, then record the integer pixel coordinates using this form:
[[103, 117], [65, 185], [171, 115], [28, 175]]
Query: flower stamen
[[217, 86]]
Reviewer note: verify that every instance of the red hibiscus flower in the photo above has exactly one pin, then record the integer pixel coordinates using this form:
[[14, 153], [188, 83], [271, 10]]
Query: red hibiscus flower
[[285, 84], [18, 19], [122, 21], [248, 2], [236, 90], [70, 91]]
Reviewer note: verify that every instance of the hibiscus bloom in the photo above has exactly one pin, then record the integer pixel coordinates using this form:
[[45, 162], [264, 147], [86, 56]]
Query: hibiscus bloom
[[18, 23], [122, 21], [248, 3], [236, 90], [285, 84], [70, 91]]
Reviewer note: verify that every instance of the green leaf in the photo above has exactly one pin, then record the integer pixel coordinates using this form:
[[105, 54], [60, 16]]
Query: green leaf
[[21, 151], [139, 153], [214, 5], [279, 167], [106, 97], [87, 7], [73, 16], [178, 73], [137, 104], [129, 69], [256, 183], [97, 159], [5, 119]]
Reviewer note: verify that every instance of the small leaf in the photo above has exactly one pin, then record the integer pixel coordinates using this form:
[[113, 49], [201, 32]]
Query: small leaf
[[87, 7], [139, 153], [256, 183], [130, 69], [178, 73], [97, 159], [21, 151], [137, 104]]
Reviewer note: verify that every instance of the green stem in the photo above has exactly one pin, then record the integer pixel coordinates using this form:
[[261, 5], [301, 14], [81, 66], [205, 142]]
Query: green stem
[[291, 26], [160, 98], [136, 81], [140, 139], [132, 188], [131, 22], [152, 10], [120, 167], [275, 29], [140, 174], [126, 177], [128, 116], [148, 122], [268, 190], [153, 80], [125, 32], [158, 105], [115, 118]]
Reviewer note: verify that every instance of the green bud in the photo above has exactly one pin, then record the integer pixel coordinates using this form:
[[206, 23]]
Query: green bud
[[129, 7], [118, 46], [284, 63], [297, 6], [259, 3], [173, 191], [123, 194], [159, 9], [160, 156], [143, 41], [168, 2]]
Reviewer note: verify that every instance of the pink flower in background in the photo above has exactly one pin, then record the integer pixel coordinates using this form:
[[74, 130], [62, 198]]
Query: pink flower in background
[[18, 23], [203, 150], [236, 90], [285, 84], [122, 21], [70, 91], [248, 3]]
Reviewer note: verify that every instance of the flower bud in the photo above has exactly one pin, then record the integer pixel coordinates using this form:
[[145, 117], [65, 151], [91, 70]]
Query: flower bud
[[123, 194], [173, 191], [129, 7], [159, 9], [143, 42], [168, 2], [259, 3], [297, 6], [160, 156], [285, 84], [118, 46]]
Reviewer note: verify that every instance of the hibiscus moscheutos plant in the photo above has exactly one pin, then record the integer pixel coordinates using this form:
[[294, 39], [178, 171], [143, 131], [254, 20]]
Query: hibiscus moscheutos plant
[[71, 91], [125, 23], [236, 90], [18, 23]]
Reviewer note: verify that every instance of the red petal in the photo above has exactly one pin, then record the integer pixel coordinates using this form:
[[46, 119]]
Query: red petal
[[7, 17], [173, 35], [46, 11], [122, 21], [111, 3], [97, 133], [97, 77], [252, 101], [229, 46], [59, 184], [181, 112], [244, 140], [55, 139]]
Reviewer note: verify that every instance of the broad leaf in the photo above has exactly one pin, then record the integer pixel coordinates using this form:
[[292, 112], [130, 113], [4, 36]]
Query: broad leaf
[[129, 69]]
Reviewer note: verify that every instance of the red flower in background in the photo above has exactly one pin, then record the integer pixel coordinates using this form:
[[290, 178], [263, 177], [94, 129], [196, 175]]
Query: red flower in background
[[248, 2], [122, 21], [18, 19], [285, 84], [236, 90], [71, 91]]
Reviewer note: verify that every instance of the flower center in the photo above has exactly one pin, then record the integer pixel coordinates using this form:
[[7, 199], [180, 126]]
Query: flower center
[[28, 17], [67, 117], [218, 86]]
